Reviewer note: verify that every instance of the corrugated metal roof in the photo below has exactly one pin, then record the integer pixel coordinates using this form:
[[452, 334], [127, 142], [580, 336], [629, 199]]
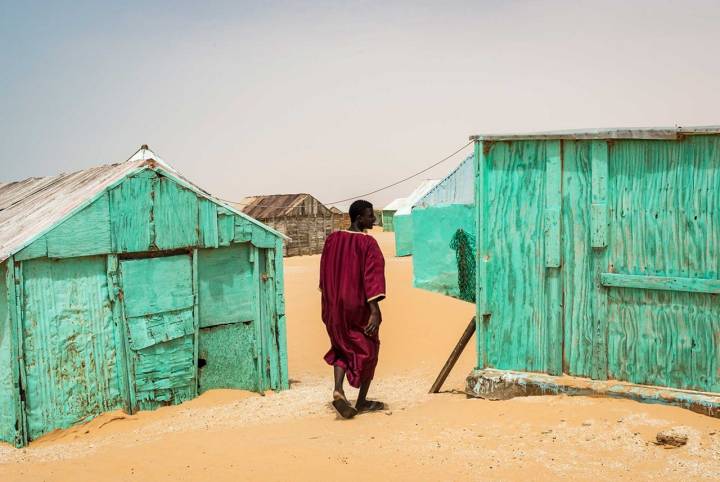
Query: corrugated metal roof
[[394, 205], [650, 133], [416, 195], [31, 207], [279, 205], [458, 187]]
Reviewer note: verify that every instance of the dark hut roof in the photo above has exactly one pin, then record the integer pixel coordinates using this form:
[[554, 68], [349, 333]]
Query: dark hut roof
[[279, 205]]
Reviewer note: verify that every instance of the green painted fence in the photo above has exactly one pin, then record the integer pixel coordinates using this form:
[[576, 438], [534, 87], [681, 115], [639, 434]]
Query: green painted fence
[[435, 261], [146, 297], [599, 258]]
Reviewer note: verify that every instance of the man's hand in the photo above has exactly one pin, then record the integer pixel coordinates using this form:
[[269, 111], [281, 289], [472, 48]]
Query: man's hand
[[375, 319]]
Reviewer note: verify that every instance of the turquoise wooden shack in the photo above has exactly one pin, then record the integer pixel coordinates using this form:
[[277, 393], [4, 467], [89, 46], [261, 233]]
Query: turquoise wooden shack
[[127, 286], [599, 254], [444, 235], [402, 219], [388, 212]]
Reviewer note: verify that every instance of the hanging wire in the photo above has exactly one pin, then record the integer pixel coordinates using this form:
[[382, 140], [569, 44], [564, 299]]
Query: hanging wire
[[446, 158]]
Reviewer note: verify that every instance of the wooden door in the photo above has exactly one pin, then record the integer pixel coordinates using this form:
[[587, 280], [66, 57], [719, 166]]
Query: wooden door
[[158, 307]]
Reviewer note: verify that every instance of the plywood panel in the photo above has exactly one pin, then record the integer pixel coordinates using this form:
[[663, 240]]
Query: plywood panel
[[226, 285], [175, 215], [156, 285], [131, 206], [83, 234]]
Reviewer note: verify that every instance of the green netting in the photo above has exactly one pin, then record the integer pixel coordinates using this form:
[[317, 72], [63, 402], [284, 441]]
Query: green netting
[[464, 245]]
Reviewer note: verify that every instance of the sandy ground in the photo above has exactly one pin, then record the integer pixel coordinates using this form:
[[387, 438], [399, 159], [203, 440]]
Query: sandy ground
[[295, 435]]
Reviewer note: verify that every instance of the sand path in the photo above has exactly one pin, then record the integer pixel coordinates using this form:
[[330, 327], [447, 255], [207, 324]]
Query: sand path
[[294, 435]]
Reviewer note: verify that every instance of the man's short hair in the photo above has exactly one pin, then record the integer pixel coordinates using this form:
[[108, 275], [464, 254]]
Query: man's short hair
[[358, 207]]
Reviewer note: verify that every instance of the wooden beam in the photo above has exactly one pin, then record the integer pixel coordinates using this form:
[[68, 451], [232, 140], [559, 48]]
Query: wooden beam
[[664, 283], [453, 358]]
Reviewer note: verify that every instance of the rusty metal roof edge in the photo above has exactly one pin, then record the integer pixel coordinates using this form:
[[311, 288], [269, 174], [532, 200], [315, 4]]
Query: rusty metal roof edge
[[640, 133]]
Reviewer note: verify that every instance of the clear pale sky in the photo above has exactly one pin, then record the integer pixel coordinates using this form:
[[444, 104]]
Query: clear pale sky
[[336, 98]]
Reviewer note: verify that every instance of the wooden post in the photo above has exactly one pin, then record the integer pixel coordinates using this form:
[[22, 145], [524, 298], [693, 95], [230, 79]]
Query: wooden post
[[457, 351]]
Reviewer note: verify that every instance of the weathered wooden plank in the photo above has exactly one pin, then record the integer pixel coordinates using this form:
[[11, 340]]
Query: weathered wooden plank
[[208, 224], [226, 227], [16, 302], [599, 155], [259, 339], [553, 260], [113, 280], [577, 276], [666, 283], [83, 234], [196, 319], [281, 322], [131, 214], [481, 285], [553, 200], [598, 215], [12, 418], [267, 289], [175, 215]]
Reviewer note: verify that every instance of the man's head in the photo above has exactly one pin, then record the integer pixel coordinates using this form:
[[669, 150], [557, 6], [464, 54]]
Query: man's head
[[362, 214]]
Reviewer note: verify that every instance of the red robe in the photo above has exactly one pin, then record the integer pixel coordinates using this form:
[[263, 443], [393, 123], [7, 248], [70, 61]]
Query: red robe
[[352, 273]]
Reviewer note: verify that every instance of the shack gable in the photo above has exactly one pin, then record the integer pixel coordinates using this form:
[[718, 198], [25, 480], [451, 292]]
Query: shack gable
[[146, 211], [139, 205]]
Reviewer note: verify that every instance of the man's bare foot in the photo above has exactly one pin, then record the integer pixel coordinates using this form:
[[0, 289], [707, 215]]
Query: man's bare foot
[[369, 406], [341, 404]]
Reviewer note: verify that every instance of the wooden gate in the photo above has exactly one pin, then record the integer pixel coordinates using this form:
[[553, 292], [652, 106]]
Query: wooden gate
[[600, 258]]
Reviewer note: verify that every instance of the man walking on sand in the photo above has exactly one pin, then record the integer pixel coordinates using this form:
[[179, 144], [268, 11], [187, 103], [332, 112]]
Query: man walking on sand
[[352, 281]]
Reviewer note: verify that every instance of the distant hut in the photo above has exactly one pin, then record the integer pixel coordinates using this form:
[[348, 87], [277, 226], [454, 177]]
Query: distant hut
[[388, 212], [402, 219], [304, 219], [127, 286], [443, 248], [341, 219]]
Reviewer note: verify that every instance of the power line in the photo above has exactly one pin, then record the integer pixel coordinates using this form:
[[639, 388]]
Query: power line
[[402, 180], [371, 192]]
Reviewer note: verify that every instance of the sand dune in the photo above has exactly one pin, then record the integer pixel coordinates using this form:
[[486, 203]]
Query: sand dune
[[295, 435]]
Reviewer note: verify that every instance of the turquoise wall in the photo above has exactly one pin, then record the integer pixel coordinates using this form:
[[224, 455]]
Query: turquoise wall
[[7, 386], [403, 227], [435, 266], [103, 328], [598, 258]]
